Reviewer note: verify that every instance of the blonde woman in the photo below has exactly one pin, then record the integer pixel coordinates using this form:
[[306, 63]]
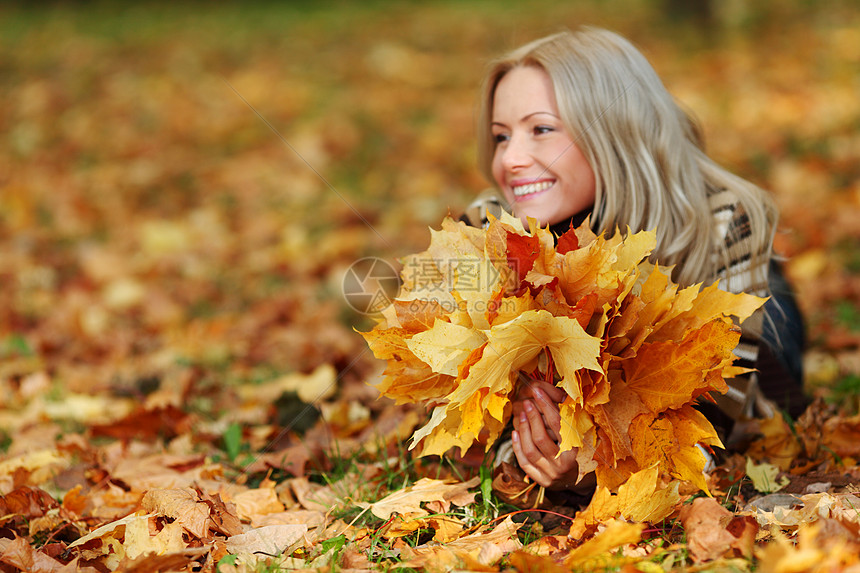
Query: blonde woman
[[578, 124]]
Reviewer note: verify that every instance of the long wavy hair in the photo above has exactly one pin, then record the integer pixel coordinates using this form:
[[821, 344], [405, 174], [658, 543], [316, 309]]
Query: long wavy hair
[[646, 153]]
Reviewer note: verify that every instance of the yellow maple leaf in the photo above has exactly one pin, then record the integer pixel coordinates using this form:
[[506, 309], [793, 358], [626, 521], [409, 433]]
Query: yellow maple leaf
[[577, 429], [408, 379], [660, 302], [764, 477], [643, 497], [445, 346], [511, 346], [114, 529], [512, 307], [710, 303], [617, 534], [414, 317], [441, 433]]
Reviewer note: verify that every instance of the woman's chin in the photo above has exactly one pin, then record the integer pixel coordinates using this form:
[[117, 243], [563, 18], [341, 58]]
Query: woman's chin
[[525, 214]]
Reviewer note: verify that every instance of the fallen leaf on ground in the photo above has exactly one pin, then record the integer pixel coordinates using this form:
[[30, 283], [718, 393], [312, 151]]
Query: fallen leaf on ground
[[712, 530], [616, 534], [407, 502], [268, 540]]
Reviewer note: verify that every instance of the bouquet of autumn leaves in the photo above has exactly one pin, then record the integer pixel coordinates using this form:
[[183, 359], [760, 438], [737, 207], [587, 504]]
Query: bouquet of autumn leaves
[[482, 311]]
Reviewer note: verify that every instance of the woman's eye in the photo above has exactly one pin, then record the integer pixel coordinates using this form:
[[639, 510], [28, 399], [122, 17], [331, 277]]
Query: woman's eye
[[541, 129], [500, 138]]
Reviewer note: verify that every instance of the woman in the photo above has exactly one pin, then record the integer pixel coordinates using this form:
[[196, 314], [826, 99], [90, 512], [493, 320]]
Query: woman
[[578, 124]]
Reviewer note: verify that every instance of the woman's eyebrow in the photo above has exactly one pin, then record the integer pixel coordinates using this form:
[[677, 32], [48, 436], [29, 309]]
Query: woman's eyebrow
[[526, 117], [539, 113]]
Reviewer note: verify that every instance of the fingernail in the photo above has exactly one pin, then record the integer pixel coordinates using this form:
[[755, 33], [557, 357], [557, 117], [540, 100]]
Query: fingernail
[[523, 419], [538, 394], [515, 437], [528, 406]]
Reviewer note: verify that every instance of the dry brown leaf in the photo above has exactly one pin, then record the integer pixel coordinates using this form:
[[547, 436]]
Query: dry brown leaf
[[18, 553], [477, 551], [165, 422], [267, 540], [509, 483], [253, 503], [223, 515], [28, 502], [308, 517], [313, 496], [407, 501], [712, 530], [182, 505], [527, 562], [151, 562], [293, 459]]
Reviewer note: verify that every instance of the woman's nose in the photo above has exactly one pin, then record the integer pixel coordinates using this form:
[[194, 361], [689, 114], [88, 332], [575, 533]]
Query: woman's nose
[[516, 154]]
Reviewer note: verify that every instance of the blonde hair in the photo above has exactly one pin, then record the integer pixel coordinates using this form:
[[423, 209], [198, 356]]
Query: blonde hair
[[646, 153]]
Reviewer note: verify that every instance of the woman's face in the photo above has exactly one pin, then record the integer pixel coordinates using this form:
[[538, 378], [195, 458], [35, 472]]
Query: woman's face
[[537, 164]]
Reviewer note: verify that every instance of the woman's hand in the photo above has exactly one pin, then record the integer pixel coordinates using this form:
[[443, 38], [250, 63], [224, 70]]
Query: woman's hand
[[536, 436]]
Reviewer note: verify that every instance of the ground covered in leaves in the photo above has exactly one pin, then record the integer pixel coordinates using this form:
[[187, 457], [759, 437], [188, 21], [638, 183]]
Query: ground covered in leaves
[[181, 386]]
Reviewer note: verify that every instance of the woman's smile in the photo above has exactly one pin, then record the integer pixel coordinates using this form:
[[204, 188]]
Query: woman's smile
[[523, 191]]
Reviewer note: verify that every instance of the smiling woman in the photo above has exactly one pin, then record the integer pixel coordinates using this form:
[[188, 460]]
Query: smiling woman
[[537, 164], [578, 125]]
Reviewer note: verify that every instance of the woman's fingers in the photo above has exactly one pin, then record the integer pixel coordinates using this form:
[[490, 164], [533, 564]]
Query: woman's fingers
[[526, 390], [540, 436], [545, 395], [537, 425], [548, 471], [554, 393], [528, 462], [525, 440], [550, 412]]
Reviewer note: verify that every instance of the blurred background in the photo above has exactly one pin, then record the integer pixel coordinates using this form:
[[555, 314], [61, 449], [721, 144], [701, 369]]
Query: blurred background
[[151, 222]]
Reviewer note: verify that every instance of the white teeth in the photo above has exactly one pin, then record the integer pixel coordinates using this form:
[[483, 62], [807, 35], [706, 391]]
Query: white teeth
[[528, 189]]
